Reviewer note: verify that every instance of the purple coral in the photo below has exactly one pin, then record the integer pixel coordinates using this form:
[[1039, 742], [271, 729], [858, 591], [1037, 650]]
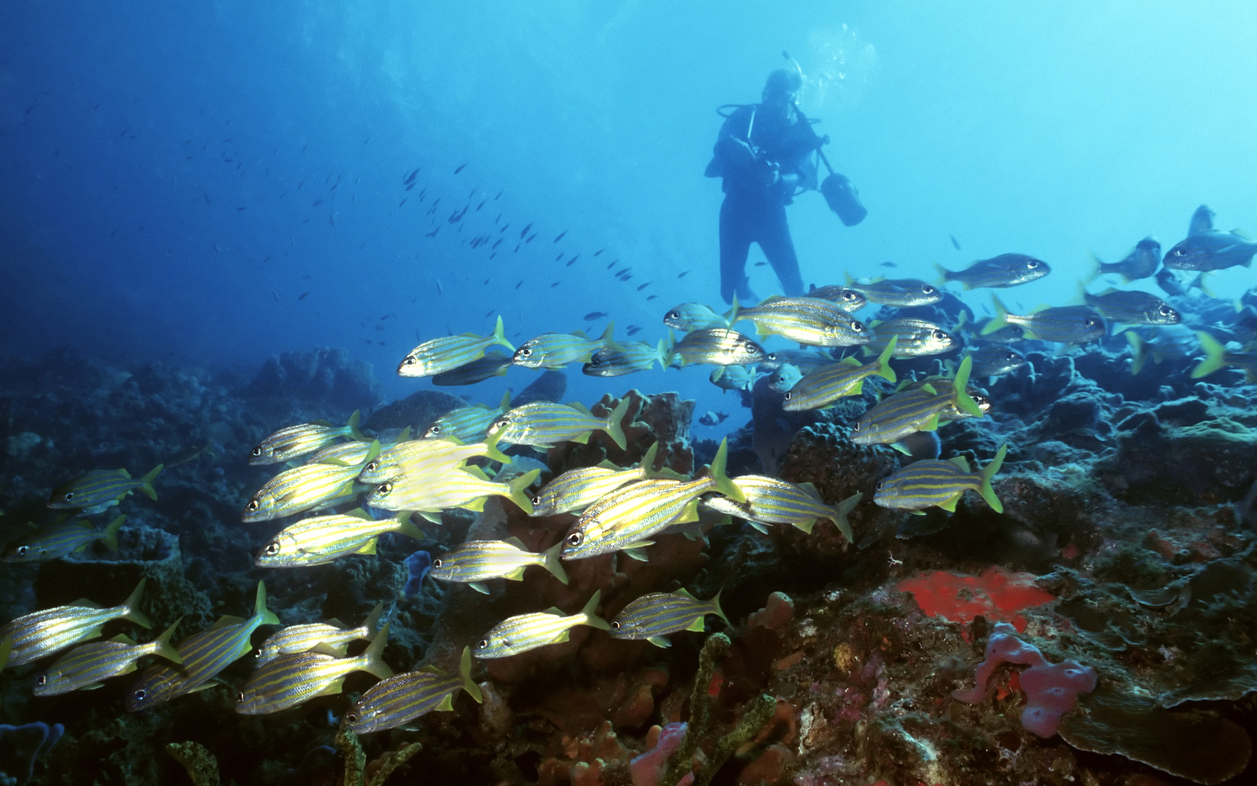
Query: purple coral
[[1051, 688], [648, 768]]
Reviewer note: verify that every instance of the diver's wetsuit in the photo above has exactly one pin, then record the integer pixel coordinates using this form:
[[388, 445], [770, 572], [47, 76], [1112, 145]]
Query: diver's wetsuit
[[754, 210]]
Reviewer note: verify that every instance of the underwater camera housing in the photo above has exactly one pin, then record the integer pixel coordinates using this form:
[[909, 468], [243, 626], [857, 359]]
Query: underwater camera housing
[[843, 198]]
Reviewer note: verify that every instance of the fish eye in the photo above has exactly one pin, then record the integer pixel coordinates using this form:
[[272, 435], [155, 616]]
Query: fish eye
[[1032, 263], [483, 644], [140, 695], [880, 485], [69, 496], [1092, 322], [856, 426], [1178, 252], [272, 548], [384, 489], [787, 395], [940, 336], [615, 626], [41, 680], [240, 697], [373, 466], [1166, 311], [252, 506], [21, 552], [929, 290], [574, 539], [524, 352], [256, 451], [436, 563], [435, 429], [351, 717], [409, 360], [857, 327], [772, 355]]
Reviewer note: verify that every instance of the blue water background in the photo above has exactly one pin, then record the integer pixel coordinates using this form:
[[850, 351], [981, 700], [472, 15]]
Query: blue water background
[[161, 161]]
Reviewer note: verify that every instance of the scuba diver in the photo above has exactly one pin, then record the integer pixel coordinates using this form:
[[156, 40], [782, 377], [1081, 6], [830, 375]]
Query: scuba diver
[[765, 155]]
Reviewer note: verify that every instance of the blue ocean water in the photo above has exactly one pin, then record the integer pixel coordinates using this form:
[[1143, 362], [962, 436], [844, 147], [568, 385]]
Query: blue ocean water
[[212, 184]]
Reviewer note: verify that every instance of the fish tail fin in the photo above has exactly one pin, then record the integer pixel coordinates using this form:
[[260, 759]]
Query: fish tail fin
[[499, 335], [590, 608], [132, 606], [164, 648], [352, 426], [373, 618], [960, 384], [1097, 267], [842, 510], [110, 536], [491, 446], [719, 612], [606, 334], [147, 487], [724, 485], [553, 564], [883, 361], [1082, 294], [731, 316], [407, 527], [506, 401], [1201, 282], [944, 275], [1215, 356], [648, 459], [999, 320], [517, 488], [1138, 352], [464, 671], [374, 653], [614, 427], [259, 607], [988, 472]]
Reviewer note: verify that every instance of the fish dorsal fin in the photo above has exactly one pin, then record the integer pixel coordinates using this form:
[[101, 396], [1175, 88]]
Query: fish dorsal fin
[[685, 592], [123, 638], [959, 461], [928, 388], [91, 604], [810, 488], [555, 610], [516, 542], [850, 360], [323, 648], [581, 408], [226, 620]]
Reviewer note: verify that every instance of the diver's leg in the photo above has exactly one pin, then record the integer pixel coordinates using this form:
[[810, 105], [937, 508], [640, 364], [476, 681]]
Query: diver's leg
[[735, 245], [774, 239]]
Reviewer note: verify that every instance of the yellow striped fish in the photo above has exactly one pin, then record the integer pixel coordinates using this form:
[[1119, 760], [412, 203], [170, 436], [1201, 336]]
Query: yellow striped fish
[[99, 489], [811, 321], [204, 655], [293, 679], [910, 411], [718, 347], [304, 488], [556, 350], [901, 292], [525, 632], [914, 338], [87, 666], [332, 634], [55, 541], [422, 457], [43, 633], [934, 483], [462, 488], [346, 454], [296, 441], [319, 540], [824, 385], [577, 489], [694, 316], [404, 697], [447, 353], [477, 561], [624, 519], [542, 424], [655, 615], [467, 423], [616, 360], [773, 501]]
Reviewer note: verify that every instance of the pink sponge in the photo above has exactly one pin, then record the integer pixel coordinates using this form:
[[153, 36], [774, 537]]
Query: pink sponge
[[649, 767], [1051, 688]]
